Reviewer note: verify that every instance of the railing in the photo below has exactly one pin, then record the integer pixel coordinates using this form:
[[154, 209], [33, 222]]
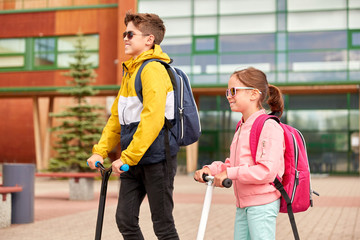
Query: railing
[[11, 5]]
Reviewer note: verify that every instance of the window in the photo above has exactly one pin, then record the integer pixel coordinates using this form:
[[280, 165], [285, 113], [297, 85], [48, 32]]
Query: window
[[161, 7], [281, 5], [178, 27], [294, 5], [247, 42], [231, 62], [320, 120], [260, 23], [246, 6], [66, 47], [12, 53], [205, 7], [44, 52], [354, 16], [354, 65], [177, 45], [354, 4], [324, 102], [312, 21], [354, 39], [281, 22], [206, 44], [205, 25], [205, 64], [318, 61], [281, 41], [317, 40]]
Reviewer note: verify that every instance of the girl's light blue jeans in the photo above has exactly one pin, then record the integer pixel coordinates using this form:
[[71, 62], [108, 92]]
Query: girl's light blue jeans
[[256, 222]]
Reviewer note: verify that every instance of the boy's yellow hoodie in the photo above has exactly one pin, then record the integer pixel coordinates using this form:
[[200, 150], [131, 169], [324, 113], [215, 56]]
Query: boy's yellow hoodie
[[140, 125]]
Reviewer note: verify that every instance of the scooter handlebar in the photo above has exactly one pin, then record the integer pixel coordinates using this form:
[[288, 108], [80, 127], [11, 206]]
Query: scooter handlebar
[[98, 164], [124, 167], [226, 182]]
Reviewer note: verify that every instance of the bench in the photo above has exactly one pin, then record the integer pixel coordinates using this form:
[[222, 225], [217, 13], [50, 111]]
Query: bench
[[4, 191], [81, 184], [5, 204], [75, 175]]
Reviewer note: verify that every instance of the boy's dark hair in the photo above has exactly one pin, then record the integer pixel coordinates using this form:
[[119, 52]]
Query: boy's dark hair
[[147, 23]]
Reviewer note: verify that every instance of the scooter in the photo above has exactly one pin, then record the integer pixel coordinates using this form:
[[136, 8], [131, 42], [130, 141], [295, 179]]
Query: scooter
[[209, 180], [105, 174]]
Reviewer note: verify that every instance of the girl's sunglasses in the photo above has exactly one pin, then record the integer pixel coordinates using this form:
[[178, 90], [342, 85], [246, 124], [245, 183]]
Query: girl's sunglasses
[[232, 91], [130, 34]]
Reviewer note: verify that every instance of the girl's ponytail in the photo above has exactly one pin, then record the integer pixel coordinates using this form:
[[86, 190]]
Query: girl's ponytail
[[275, 100]]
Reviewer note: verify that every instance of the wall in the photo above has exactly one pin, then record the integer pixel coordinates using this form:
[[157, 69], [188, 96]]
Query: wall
[[16, 125]]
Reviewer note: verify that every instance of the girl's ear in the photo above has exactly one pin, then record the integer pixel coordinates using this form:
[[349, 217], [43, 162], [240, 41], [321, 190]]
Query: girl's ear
[[255, 95]]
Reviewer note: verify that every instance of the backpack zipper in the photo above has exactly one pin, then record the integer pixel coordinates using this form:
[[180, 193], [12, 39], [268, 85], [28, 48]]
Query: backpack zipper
[[311, 191], [296, 181], [193, 101], [181, 109]]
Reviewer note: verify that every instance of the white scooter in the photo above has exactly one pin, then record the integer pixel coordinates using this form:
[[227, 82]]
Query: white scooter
[[207, 203]]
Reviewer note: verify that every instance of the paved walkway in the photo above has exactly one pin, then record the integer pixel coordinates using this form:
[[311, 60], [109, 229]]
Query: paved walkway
[[336, 214]]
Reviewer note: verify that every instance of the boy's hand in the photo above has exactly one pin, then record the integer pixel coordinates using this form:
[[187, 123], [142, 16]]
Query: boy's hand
[[116, 165], [219, 178], [93, 159], [199, 173]]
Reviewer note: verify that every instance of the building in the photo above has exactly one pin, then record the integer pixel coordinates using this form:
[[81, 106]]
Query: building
[[310, 49]]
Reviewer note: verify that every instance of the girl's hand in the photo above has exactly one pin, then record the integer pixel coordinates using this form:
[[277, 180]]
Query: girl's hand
[[199, 173], [219, 178]]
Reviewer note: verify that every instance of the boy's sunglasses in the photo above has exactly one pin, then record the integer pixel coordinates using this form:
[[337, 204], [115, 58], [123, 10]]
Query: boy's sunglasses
[[232, 91], [130, 34]]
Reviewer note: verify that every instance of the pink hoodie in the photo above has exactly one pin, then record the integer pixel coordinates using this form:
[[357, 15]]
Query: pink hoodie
[[251, 181]]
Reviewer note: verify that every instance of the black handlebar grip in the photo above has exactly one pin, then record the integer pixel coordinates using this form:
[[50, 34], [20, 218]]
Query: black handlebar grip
[[204, 177], [227, 182]]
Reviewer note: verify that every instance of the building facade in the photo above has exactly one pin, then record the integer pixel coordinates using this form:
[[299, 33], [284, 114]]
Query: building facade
[[310, 49], [302, 44]]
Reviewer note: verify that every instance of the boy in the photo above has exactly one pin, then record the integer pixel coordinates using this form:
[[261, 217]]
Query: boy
[[140, 129]]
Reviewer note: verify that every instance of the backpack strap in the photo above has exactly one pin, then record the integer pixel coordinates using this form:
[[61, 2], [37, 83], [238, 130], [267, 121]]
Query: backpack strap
[[238, 125], [280, 187], [138, 89], [138, 83], [256, 131]]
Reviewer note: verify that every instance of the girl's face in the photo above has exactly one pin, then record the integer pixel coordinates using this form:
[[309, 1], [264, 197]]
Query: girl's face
[[244, 100], [240, 101]]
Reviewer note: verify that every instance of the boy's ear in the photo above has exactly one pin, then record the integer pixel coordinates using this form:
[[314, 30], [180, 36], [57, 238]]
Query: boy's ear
[[150, 40]]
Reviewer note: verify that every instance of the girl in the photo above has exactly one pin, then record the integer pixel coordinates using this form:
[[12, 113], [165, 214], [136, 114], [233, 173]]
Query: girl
[[257, 201]]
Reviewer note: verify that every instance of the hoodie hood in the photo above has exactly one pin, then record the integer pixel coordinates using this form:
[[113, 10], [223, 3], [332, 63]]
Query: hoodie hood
[[132, 64]]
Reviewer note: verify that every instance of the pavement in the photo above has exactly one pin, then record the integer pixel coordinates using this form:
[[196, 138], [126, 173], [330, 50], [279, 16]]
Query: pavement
[[335, 215]]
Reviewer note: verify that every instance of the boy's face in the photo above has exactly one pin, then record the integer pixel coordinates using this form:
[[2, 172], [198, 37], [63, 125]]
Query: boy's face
[[136, 42]]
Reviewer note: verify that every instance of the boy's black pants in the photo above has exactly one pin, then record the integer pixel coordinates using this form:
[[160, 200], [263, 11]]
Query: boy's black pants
[[157, 182]]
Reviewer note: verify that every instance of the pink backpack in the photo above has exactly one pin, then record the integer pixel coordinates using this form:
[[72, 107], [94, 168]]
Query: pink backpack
[[295, 184]]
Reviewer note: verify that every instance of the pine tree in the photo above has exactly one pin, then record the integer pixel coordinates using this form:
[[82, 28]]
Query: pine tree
[[81, 124]]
